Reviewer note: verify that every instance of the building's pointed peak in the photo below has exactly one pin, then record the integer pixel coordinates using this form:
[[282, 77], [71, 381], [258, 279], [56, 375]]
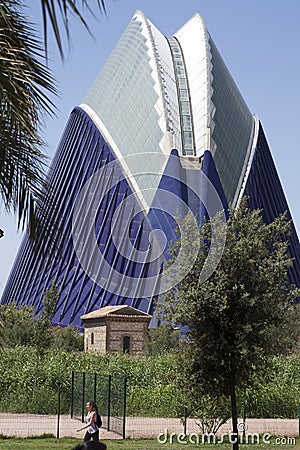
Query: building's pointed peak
[[195, 19], [139, 12]]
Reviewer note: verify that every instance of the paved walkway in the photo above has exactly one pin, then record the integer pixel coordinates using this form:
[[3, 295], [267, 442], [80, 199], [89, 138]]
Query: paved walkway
[[24, 425], [146, 427]]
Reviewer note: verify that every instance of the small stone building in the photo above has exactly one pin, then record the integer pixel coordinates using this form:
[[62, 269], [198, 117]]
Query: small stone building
[[116, 329]]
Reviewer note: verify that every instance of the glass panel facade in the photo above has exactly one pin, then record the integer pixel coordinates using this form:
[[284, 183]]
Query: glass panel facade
[[233, 124], [188, 147], [125, 98]]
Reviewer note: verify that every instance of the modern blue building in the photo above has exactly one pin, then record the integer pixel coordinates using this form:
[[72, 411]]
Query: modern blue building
[[163, 131]]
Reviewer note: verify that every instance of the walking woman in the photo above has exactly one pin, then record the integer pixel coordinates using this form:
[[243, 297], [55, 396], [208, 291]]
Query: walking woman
[[92, 430]]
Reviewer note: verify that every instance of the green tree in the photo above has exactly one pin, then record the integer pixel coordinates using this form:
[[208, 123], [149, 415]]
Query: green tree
[[26, 89], [42, 337], [67, 338], [20, 327], [162, 339], [16, 325], [244, 311], [43, 326]]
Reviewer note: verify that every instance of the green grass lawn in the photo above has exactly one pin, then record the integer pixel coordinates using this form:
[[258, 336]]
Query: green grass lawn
[[129, 444]]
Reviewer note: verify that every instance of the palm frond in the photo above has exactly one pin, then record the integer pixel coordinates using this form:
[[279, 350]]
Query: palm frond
[[25, 85], [54, 11]]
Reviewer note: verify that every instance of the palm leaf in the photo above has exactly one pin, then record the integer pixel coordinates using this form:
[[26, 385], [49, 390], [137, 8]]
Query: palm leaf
[[25, 83], [56, 10]]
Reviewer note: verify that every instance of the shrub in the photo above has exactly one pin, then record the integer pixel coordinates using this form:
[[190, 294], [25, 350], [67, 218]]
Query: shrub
[[29, 383]]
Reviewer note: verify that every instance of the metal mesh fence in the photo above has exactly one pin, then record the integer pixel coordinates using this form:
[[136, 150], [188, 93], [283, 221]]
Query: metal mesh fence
[[109, 392], [117, 404], [28, 425]]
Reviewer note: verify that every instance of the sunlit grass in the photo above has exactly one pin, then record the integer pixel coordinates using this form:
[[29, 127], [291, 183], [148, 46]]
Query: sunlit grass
[[132, 444]]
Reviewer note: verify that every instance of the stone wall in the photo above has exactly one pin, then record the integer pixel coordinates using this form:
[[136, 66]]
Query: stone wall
[[95, 336], [135, 330], [106, 335]]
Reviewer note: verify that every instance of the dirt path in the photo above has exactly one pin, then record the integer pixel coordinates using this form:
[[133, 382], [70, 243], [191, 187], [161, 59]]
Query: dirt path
[[25, 425]]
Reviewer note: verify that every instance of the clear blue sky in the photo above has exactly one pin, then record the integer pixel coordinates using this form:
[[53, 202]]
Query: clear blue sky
[[259, 41]]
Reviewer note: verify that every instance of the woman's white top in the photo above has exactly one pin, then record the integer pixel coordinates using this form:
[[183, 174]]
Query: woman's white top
[[93, 427]]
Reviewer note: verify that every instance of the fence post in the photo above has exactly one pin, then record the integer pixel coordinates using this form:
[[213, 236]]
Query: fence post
[[95, 387], [244, 418], [83, 397], [184, 419], [108, 402], [124, 409], [58, 414], [299, 419], [72, 395]]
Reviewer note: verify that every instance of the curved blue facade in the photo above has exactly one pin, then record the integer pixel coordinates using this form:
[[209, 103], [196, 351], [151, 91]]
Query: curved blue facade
[[265, 192], [82, 152], [162, 132]]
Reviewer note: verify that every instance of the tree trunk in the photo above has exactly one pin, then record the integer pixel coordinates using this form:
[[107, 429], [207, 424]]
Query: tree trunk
[[235, 437]]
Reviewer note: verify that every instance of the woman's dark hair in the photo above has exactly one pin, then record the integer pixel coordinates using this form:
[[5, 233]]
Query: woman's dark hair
[[94, 406], [91, 445]]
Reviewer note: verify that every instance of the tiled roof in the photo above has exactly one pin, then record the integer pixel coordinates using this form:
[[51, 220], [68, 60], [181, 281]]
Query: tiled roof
[[120, 310]]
